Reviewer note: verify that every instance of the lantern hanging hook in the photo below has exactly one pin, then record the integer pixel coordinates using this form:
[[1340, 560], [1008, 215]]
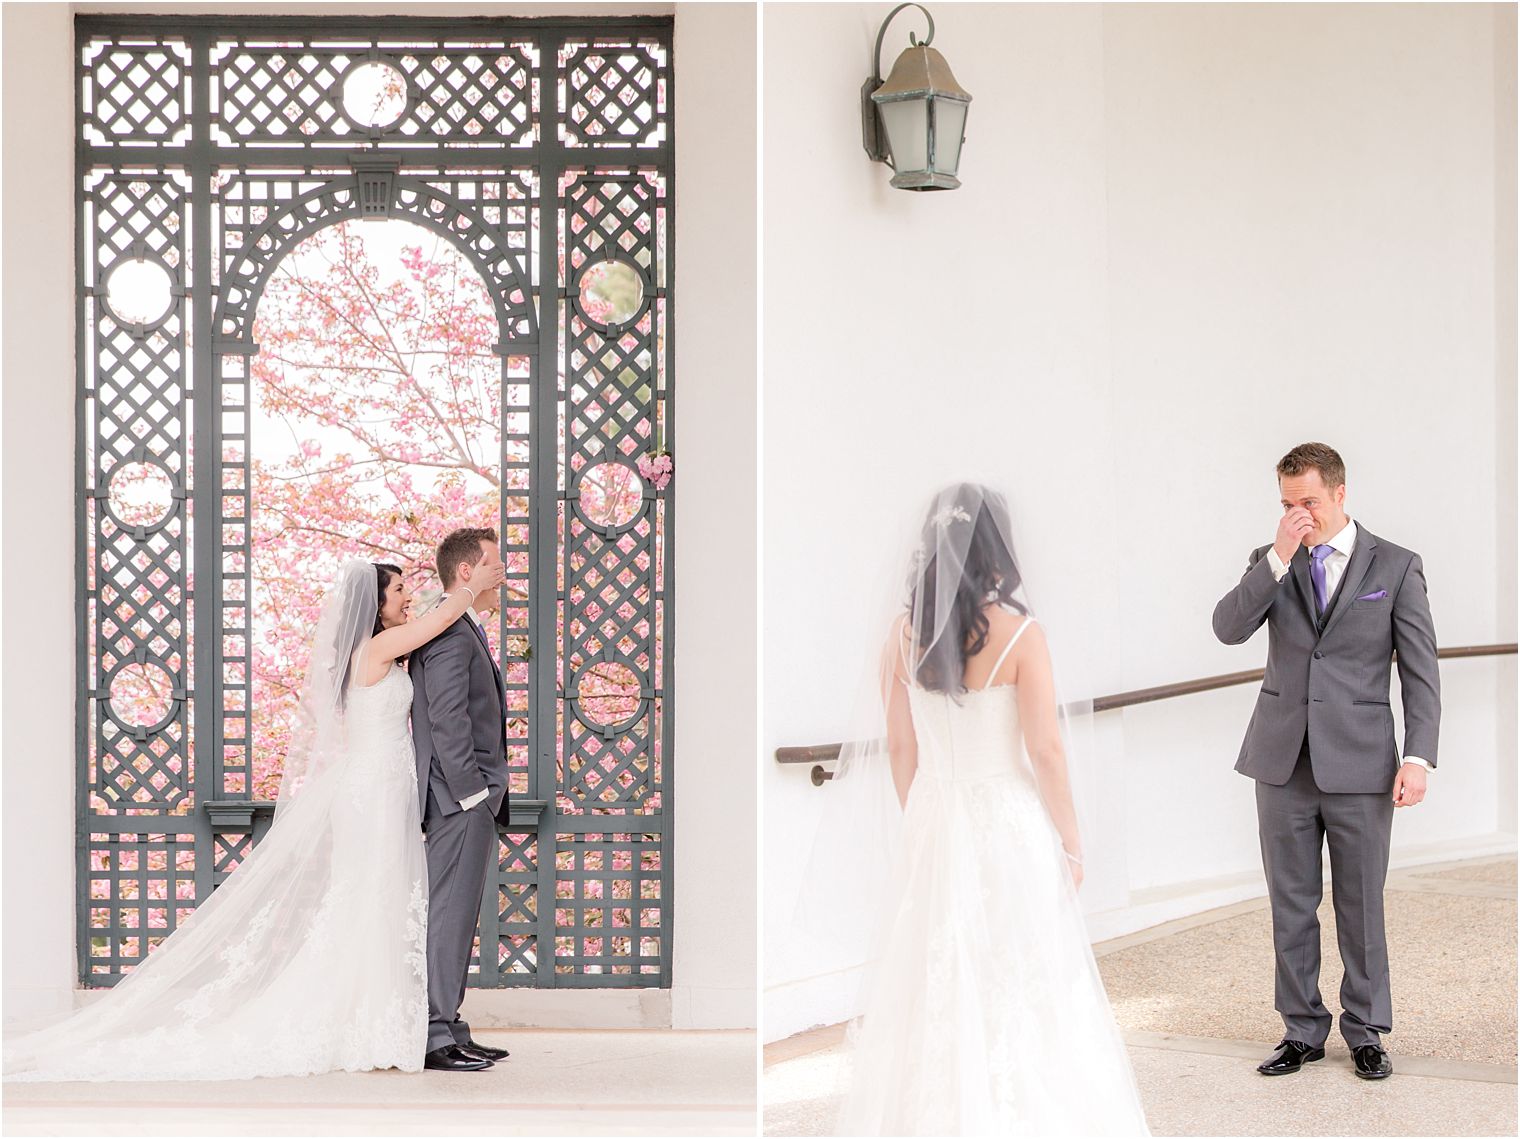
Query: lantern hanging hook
[[913, 39]]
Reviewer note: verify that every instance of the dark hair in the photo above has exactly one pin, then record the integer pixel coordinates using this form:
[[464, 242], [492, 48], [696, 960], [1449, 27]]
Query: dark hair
[[461, 546], [1314, 457], [991, 572], [385, 573]]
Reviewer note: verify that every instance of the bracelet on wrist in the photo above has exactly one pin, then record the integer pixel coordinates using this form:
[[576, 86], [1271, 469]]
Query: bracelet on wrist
[[471, 592], [1071, 856]]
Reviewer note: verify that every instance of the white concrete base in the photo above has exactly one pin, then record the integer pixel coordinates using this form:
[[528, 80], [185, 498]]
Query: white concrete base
[[541, 1008], [812, 1002], [681, 1008], [703, 1007], [568, 1008], [24, 1003]]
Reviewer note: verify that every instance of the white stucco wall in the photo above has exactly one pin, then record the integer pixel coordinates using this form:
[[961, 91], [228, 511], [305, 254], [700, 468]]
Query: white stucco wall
[[37, 540], [1505, 388], [1189, 237], [716, 720], [714, 956]]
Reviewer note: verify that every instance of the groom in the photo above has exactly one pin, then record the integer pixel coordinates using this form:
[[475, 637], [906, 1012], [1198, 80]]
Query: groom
[[1338, 602], [459, 727]]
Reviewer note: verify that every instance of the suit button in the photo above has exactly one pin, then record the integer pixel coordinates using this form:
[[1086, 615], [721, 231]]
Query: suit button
[[1318, 655]]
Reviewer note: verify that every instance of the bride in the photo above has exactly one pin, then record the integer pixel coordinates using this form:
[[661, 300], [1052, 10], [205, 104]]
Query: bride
[[984, 1013], [311, 956]]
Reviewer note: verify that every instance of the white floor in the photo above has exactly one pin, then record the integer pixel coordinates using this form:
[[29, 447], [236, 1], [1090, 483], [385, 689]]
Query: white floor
[[580, 1082]]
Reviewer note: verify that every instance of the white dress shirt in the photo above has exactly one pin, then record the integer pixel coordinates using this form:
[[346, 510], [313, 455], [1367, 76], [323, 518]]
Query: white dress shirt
[[1335, 568], [479, 796]]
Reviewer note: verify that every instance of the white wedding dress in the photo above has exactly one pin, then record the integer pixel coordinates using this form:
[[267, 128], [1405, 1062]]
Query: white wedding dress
[[312, 955], [984, 1013]]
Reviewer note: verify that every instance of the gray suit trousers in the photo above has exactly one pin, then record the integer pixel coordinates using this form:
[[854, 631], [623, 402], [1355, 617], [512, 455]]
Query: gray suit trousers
[[1295, 821], [459, 849]]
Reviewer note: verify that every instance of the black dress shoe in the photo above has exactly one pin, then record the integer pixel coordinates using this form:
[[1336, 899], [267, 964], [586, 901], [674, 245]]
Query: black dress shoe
[[452, 1058], [1372, 1062], [1289, 1057], [484, 1051]]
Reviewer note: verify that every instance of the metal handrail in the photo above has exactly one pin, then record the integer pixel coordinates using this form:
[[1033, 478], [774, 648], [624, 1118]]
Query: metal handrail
[[818, 754]]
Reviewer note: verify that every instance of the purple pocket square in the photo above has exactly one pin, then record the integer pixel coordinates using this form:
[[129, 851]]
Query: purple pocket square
[[1378, 596]]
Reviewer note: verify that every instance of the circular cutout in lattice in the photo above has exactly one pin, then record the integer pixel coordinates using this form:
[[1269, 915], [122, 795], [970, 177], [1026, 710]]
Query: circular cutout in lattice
[[374, 94], [142, 695], [609, 693], [139, 292], [142, 494], [612, 291], [610, 495]]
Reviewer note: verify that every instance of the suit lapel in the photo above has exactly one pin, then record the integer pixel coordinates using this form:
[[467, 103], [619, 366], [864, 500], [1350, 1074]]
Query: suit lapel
[[485, 645], [1357, 568]]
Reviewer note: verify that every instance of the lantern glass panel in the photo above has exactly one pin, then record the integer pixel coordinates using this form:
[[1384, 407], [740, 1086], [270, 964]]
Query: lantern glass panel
[[949, 129], [907, 123]]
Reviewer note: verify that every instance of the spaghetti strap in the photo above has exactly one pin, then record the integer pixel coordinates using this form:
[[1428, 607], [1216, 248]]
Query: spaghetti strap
[[1008, 648], [902, 633]]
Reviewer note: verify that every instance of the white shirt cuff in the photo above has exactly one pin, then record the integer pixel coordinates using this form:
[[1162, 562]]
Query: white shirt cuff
[[1417, 759], [1279, 570], [478, 797]]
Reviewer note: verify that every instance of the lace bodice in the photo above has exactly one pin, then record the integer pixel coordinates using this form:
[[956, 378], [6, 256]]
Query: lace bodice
[[377, 722], [383, 705], [977, 738], [973, 735]]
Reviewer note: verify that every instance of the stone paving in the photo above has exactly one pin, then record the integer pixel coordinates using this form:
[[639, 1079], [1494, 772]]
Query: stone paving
[[1195, 1004], [1446, 952]]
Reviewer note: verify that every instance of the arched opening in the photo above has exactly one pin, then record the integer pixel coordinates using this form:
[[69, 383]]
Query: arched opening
[[379, 421]]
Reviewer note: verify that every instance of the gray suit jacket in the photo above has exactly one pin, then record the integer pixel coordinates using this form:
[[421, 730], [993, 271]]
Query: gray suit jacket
[[459, 723], [1333, 682]]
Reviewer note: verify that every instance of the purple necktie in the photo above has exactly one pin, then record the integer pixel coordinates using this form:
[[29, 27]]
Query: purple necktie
[[1317, 575]]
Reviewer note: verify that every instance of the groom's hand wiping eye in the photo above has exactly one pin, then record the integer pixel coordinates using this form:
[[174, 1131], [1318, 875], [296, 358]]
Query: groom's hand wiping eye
[[1291, 528]]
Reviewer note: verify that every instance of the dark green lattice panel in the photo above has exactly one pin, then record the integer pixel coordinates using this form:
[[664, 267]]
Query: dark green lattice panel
[[137, 413], [209, 148]]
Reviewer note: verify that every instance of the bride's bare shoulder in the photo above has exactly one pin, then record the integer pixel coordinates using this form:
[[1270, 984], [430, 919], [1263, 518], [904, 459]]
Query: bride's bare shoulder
[[1002, 619], [1004, 623]]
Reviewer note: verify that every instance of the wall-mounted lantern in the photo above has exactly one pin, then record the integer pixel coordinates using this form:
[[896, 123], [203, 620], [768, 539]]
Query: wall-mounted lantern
[[915, 122]]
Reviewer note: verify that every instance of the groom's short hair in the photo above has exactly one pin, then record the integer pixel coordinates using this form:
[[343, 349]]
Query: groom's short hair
[[461, 546], [1320, 457]]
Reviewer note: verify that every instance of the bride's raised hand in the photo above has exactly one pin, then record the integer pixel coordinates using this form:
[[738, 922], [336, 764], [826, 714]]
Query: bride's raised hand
[[487, 578]]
